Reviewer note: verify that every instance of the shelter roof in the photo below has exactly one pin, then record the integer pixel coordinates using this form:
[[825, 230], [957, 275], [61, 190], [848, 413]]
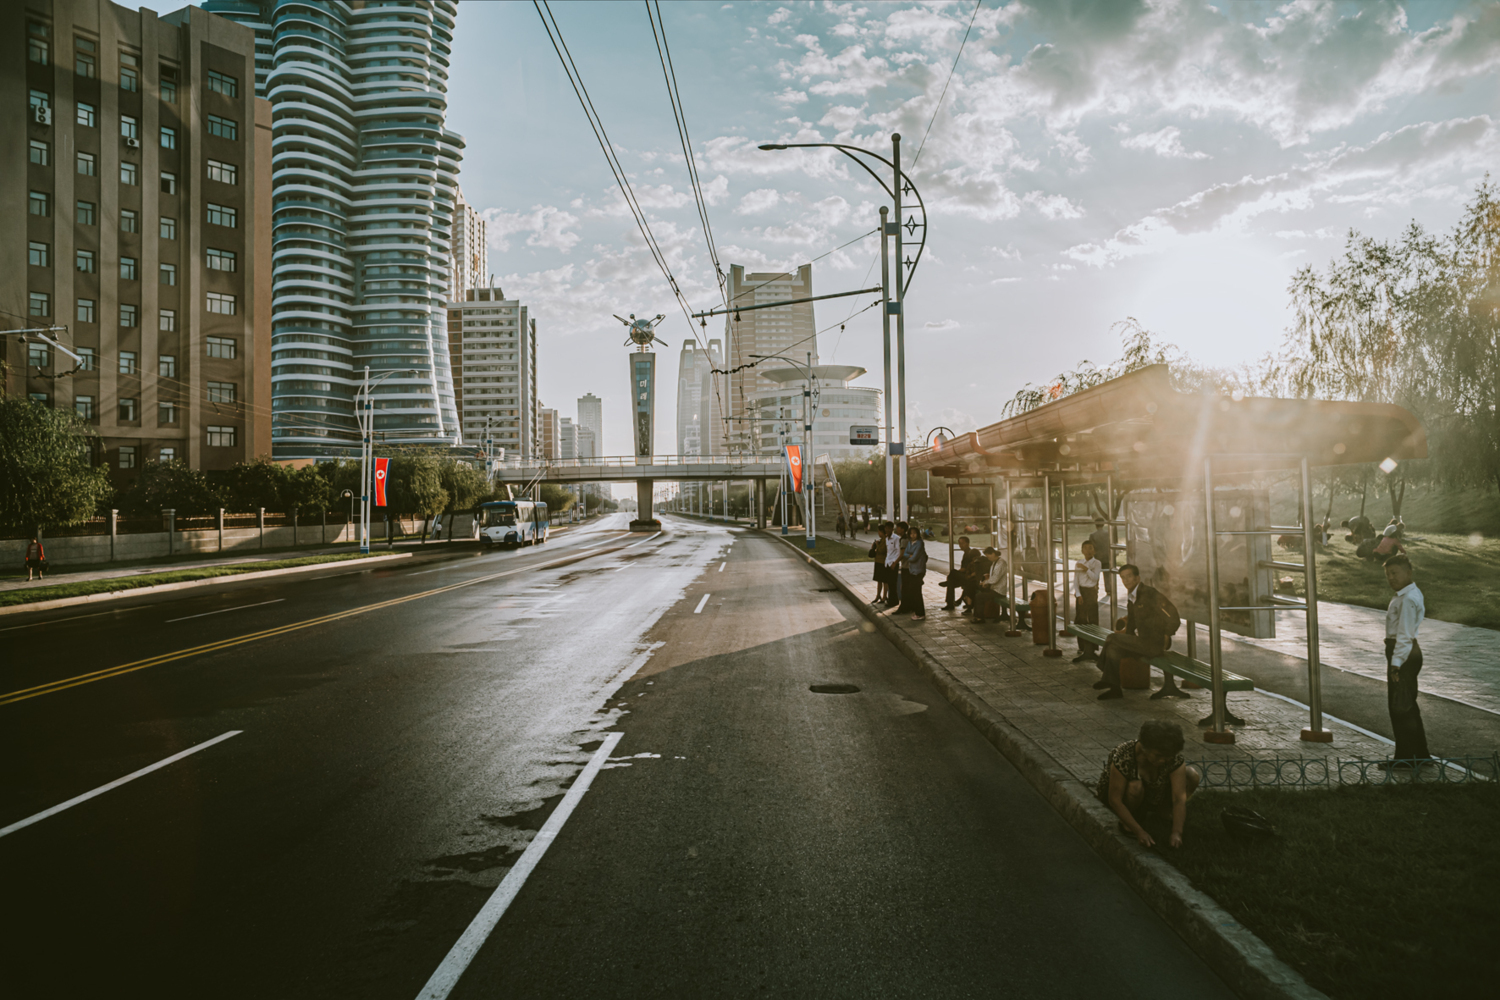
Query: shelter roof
[[1138, 427]]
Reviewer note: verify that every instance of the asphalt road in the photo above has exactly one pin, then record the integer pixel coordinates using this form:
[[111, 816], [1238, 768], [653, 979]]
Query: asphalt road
[[402, 733]]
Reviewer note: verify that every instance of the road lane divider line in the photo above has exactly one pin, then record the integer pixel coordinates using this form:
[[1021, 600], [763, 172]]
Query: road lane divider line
[[51, 687], [699, 609], [205, 614], [74, 618], [721, 567], [474, 936], [75, 800]]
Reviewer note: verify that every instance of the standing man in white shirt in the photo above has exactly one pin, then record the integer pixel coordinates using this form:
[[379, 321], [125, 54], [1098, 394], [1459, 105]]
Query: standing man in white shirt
[[894, 543], [1403, 658], [1086, 573]]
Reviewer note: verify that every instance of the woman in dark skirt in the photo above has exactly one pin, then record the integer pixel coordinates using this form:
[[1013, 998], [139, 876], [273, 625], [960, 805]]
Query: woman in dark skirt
[[877, 553]]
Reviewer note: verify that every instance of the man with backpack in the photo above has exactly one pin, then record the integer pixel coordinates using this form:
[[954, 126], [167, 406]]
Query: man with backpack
[[1150, 622]]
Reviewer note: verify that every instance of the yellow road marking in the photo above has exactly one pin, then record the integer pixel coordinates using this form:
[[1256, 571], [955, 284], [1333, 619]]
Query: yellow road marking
[[212, 647]]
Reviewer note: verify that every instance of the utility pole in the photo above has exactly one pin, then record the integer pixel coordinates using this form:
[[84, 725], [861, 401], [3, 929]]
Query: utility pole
[[900, 315], [885, 327]]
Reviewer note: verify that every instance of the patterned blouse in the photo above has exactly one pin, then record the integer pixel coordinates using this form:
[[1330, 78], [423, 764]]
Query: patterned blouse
[[1158, 789]]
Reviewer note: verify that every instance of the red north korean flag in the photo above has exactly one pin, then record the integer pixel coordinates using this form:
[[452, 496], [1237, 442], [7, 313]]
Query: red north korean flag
[[381, 465], [794, 461]]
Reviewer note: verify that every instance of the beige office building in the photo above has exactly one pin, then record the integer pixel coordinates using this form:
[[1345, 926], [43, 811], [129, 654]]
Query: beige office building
[[140, 174], [787, 330], [492, 344]]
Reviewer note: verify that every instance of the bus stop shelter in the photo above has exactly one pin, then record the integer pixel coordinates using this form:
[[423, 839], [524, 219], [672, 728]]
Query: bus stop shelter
[[1197, 464]]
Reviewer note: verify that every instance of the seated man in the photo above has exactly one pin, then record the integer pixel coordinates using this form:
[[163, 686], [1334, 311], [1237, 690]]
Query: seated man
[[964, 575], [990, 597], [1150, 620], [1146, 779]]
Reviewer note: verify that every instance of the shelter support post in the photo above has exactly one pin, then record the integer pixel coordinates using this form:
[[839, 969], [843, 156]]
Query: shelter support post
[[760, 503], [1110, 572], [1010, 574], [1049, 568], [1216, 734], [1315, 733], [1067, 565], [951, 567]]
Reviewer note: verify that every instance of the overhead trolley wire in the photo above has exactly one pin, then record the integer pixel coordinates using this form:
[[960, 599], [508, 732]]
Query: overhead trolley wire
[[938, 106]]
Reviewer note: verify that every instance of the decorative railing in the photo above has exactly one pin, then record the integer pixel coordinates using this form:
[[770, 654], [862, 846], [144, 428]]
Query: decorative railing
[[1328, 772]]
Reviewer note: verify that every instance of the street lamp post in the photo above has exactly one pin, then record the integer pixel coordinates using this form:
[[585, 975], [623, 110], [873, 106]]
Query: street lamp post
[[905, 270], [807, 408], [366, 457]]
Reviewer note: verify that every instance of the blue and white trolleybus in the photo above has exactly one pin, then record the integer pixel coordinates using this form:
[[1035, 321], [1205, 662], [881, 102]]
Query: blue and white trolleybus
[[511, 522]]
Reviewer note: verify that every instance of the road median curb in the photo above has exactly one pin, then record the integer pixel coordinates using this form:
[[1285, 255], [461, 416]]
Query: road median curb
[[1241, 958], [162, 588]]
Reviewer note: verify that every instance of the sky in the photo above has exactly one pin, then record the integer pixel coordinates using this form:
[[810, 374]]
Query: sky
[[1091, 160]]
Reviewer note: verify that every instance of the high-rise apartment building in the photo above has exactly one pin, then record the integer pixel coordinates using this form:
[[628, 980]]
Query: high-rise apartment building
[[140, 176], [700, 423], [688, 395], [549, 445], [567, 435], [492, 341], [591, 416], [787, 330], [365, 183], [471, 255]]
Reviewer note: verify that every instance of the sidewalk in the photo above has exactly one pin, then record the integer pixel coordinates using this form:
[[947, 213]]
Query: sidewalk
[[1052, 701]]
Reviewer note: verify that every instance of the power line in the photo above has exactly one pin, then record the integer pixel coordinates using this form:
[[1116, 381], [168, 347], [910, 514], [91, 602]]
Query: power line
[[923, 144]]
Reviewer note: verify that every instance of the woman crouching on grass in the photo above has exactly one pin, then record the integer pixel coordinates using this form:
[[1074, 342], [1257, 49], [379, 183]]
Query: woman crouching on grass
[[1147, 779]]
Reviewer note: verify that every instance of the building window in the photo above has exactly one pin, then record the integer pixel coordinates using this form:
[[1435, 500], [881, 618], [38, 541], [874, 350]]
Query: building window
[[168, 138], [127, 451], [129, 269], [221, 392], [129, 316], [169, 84], [83, 58], [166, 455], [84, 214], [130, 410], [168, 321], [222, 347], [88, 115], [130, 221], [39, 153], [87, 261], [40, 203], [86, 311], [166, 366], [129, 363], [168, 183], [38, 44], [39, 254], [130, 173], [130, 72], [166, 413], [221, 437], [222, 215], [224, 128], [130, 128], [88, 361], [168, 228], [224, 173], [84, 405], [169, 274], [39, 303], [41, 99], [221, 83], [39, 355], [221, 260], [40, 398], [88, 165], [221, 303]]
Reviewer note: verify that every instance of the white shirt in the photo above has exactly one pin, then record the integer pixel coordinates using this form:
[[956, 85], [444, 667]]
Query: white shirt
[[1133, 591], [1089, 579], [1402, 619], [998, 571], [892, 549]]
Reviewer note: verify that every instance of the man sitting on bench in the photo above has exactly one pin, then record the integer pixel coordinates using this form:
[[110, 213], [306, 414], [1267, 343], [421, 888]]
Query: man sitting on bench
[[1148, 630]]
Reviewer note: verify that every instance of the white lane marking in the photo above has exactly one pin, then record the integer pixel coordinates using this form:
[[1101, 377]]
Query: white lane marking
[[38, 817], [699, 608], [463, 951], [242, 607], [74, 618], [721, 567]]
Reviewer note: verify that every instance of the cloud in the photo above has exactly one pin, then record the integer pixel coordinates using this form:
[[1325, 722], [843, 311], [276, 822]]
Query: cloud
[[1053, 206], [790, 97], [546, 225], [947, 324], [1165, 142], [759, 200], [779, 15]]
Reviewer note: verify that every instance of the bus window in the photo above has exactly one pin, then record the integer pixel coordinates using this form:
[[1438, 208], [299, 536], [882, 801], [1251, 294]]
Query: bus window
[[494, 518]]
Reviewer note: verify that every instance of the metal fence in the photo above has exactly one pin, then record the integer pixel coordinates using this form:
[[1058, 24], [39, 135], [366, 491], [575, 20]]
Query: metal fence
[[1328, 772]]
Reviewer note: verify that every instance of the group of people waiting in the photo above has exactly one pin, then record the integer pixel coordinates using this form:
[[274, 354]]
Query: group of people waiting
[[900, 557], [981, 581]]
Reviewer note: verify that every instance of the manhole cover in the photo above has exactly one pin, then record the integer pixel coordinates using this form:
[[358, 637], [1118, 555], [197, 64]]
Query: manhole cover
[[833, 689]]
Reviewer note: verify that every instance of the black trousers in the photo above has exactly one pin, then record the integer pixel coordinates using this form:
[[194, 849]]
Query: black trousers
[[911, 595], [1086, 612], [1401, 697], [1119, 646], [955, 581]]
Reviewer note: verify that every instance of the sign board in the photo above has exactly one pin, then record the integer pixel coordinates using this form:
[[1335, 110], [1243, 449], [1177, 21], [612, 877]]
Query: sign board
[[865, 435], [643, 396]]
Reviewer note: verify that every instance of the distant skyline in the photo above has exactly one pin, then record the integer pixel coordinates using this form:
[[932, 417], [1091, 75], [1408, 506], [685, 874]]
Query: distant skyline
[[1170, 161]]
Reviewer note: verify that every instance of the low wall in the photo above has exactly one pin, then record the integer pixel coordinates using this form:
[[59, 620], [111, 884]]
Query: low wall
[[88, 549]]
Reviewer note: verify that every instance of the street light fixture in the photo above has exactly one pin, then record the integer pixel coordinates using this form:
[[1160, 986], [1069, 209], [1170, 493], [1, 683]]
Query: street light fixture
[[905, 269], [807, 404], [366, 418]]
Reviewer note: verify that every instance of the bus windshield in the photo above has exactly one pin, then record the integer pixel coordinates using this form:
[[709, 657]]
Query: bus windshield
[[493, 517]]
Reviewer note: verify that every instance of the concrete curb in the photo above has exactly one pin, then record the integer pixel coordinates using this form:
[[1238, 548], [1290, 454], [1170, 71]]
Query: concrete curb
[[1245, 962], [348, 565]]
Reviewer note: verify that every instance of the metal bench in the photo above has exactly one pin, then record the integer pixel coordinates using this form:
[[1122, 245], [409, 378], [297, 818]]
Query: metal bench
[[1174, 665]]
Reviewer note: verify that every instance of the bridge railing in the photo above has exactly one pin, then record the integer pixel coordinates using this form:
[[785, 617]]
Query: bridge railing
[[632, 462]]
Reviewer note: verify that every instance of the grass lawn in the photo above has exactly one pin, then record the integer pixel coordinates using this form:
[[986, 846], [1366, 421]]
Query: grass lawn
[[829, 550], [30, 595], [1370, 893], [1459, 576]]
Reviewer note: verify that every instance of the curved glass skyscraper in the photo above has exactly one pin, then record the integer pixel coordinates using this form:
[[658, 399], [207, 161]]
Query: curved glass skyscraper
[[364, 175]]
